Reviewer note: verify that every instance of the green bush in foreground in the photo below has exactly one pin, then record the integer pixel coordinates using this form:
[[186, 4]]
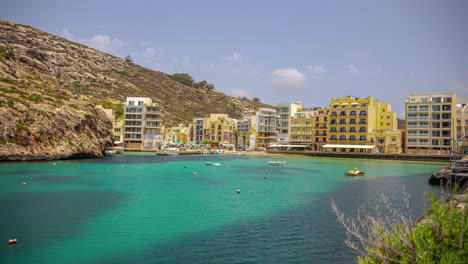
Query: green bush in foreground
[[392, 237]]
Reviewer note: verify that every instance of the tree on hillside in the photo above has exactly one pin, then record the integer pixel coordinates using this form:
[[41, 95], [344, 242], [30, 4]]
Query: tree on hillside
[[129, 59], [209, 87], [202, 84], [256, 99], [183, 78]]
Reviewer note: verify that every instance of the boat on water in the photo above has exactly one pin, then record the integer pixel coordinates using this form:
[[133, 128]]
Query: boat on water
[[213, 164], [354, 172], [277, 163], [109, 153]]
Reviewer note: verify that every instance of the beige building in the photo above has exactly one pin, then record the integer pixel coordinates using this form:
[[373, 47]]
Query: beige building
[[301, 131], [263, 131], [117, 126], [285, 112], [320, 125], [177, 135], [431, 123], [218, 130], [462, 126], [143, 123], [196, 131]]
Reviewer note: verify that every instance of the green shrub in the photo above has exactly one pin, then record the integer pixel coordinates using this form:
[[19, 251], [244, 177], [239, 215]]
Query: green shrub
[[440, 237], [21, 127], [76, 84], [71, 142], [10, 103], [37, 98], [124, 73]]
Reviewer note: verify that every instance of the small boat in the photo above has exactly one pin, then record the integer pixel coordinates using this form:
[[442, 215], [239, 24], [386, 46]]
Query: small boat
[[213, 164], [109, 153], [355, 172], [277, 163]]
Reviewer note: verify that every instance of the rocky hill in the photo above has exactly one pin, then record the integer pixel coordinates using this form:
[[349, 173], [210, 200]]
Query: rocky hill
[[50, 87]]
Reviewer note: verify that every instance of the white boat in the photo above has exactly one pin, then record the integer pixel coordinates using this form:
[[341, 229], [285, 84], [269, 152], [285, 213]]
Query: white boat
[[277, 163], [213, 164], [109, 153]]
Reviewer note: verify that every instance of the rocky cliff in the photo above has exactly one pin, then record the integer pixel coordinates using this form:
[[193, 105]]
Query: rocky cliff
[[50, 89]]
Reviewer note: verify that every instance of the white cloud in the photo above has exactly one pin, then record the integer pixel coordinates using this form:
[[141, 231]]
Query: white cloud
[[66, 34], [317, 69], [355, 69], [99, 42], [240, 92], [104, 43], [288, 79], [234, 57]]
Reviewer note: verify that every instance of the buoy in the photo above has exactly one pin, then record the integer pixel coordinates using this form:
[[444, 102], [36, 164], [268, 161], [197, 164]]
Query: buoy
[[77, 166], [54, 163], [194, 173], [12, 241], [265, 178], [238, 191], [185, 167], [24, 184]]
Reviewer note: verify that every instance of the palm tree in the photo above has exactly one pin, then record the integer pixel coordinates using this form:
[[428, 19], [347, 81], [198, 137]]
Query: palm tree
[[244, 135], [236, 137]]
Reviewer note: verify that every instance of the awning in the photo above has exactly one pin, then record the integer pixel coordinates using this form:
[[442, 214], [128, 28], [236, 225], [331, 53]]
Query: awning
[[289, 146], [354, 103], [349, 146], [179, 143], [117, 142]]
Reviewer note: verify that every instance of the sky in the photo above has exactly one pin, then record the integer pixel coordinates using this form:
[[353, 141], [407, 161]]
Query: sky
[[278, 51]]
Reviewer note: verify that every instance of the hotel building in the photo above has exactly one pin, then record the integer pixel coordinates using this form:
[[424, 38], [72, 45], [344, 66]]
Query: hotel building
[[143, 123], [264, 131], [431, 123]]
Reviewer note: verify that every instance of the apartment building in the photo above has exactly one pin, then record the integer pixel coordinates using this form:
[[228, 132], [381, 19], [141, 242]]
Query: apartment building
[[177, 135], [117, 126], [285, 112], [196, 130], [143, 123], [244, 127], [431, 123], [462, 126], [301, 132], [219, 130], [264, 131], [356, 122], [320, 128]]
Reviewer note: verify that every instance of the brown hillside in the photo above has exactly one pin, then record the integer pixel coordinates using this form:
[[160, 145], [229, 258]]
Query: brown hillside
[[97, 77]]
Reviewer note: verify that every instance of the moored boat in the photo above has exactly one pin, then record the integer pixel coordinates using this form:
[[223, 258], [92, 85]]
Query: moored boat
[[277, 163], [355, 172], [213, 164]]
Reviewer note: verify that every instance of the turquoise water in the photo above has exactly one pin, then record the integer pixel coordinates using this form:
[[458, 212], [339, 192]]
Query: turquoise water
[[141, 208]]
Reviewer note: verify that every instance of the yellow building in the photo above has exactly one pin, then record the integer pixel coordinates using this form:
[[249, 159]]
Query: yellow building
[[462, 125], [218, 130], [320, 127], [117, 126], [177, 135], [301, 131], [354, 122]]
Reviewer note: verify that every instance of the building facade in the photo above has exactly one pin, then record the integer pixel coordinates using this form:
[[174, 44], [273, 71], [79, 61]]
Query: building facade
[[218, 130], [285, 112], [143, 123], [264, 132], [320, 125], [301, 131], [356, 122], [196, 131], [430, 123]]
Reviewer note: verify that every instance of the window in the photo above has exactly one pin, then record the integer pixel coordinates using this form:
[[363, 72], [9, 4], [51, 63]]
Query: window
[[352, 130], [412, 133], [412, 124], [435, 116], [352, 113], [362, 129], [435, 124], [117, 130], [423, 108], [437, 100], [423, 116], [435, 142], [412, 100], [352, 121], [423, 133], [412, 116], [424, 100], [343, 130], [388, 124], [446, 107], [333, 113], [343, 138], [412, 108], [363, 113], [342, 113], [362, 138], [141, 103], [333, 130], [446, 116], [333, 138], [343, 122], [352, 138], [435, 133], [435, 108]]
